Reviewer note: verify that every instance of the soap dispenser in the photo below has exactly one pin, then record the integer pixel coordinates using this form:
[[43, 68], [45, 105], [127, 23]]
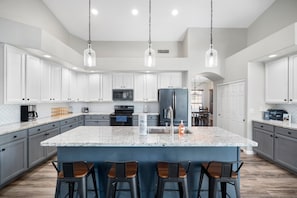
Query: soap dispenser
[[181, 128]]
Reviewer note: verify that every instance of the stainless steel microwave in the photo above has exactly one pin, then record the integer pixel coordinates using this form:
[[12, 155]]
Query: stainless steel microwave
[[122, 94]]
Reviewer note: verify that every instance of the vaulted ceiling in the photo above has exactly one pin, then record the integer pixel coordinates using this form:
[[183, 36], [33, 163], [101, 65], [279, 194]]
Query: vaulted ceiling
[[115, 21]]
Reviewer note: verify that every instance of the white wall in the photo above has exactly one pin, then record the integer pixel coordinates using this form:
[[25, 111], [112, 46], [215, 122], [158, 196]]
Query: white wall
[[280, 14]]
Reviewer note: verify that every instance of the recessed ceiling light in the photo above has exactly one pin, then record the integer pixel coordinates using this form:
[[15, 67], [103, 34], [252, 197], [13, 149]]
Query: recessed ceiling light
[[75, 68], [134, 12], [174, 12], [47, 56], [272, 56], [94, 11]]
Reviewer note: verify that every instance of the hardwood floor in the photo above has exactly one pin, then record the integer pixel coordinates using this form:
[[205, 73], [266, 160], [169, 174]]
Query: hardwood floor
[[259, 179]]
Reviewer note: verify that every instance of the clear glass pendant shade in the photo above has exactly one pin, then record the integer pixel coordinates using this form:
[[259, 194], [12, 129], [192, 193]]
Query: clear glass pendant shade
[[211, 57], [89, 57], [150, 57]]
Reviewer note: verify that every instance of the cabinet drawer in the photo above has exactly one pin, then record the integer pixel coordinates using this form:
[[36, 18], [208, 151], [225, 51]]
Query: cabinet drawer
[[286, 132], [43, 128], [13, 136], [97, 117], [67, 127], [262, 126], [152, 117], [68, 121]]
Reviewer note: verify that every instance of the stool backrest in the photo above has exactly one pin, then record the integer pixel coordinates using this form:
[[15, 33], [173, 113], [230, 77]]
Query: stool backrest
[[226, 169], [120, 169], [173, 169], [68, 169]]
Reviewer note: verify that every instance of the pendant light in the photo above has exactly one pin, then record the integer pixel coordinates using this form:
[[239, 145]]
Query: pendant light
[[211, 55], [149, 54], [89, 53]]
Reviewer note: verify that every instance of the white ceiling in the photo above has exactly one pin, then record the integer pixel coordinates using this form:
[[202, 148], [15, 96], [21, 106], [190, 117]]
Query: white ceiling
[[116, 23]]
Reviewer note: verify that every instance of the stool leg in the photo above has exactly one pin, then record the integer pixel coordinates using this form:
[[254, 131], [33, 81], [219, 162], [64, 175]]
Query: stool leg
[[185, 188], [224, 189], [200, 182], [212, 188], [94, 182], [83, 188], [237, 189], [180, 189], [70, 189], [133, 188], [58, 189], [109, 188], [160, 188]]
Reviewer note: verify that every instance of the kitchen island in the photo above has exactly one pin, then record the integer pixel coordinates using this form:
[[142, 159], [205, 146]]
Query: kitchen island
[[101, 144]]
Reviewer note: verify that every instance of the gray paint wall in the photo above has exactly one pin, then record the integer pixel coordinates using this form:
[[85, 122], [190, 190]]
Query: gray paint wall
[[279, 15]]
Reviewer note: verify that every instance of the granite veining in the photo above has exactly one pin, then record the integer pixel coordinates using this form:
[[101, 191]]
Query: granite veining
[[117, 136]]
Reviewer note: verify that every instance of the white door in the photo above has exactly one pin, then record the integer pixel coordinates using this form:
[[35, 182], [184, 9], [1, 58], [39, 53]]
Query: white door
[[46, 82], [65, 90], [56, 82], [151, 87], [139, 87], [94, 87], [106, 87]]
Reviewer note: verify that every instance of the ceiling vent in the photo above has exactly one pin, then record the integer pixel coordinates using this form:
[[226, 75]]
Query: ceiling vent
[[164, 51]]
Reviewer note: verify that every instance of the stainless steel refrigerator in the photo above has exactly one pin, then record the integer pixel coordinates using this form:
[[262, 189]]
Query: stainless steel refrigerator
[[178, 100]]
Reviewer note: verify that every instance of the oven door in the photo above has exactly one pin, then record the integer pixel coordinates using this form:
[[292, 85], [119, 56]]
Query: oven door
[[120, 120]]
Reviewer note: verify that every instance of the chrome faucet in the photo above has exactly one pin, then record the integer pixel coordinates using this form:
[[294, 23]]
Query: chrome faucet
[[170, 114]]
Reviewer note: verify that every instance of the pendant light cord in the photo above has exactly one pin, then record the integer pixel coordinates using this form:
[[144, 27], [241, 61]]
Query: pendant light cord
[[150, 20], [211, 15], [89, 22]]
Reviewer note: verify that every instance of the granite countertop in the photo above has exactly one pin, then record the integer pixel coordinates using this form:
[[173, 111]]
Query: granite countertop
[[278, 123], [89, 136]]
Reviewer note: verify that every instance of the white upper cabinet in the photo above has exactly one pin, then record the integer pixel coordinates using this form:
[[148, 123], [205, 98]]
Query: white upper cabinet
[[23, 77], [122, 81], [145, 87], [100, 86], [51, 82], [170, 80], [280, 81]]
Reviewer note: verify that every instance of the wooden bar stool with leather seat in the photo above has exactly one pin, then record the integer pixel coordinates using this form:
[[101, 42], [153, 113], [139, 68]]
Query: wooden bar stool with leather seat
[[75, 172], [172, 172], [123, 172], [220, 172]]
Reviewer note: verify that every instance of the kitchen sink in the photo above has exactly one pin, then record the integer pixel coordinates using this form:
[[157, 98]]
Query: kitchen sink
[[165, 130]]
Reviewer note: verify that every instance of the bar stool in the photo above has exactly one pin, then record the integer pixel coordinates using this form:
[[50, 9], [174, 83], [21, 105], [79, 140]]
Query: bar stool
[[75, 172], [220, 172], [172, 172], [123, 172]]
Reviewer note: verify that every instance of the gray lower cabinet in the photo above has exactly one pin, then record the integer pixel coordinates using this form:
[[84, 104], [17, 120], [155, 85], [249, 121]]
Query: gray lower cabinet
[[264, 135], [13, 155], [97, 120], [38, 153], [69, 123], [286, 147], [152, 120]]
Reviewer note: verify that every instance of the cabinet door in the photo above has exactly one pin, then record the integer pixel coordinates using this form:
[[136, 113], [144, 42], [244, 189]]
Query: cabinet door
[[170, 80], [106, 87], [73, 89], [46, 82], [285, 151], [139, 87], [56, 77], [36, 152], [65, 90], [15, 79], [13, 159], [276, 81], [33, 78], [94, 87], [293, 80], [49, 134], [265, 142], [151, 87], [122, 81], [82, 86]]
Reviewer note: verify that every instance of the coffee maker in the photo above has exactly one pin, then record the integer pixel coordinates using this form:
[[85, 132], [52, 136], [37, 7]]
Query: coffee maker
[[28, 113]]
